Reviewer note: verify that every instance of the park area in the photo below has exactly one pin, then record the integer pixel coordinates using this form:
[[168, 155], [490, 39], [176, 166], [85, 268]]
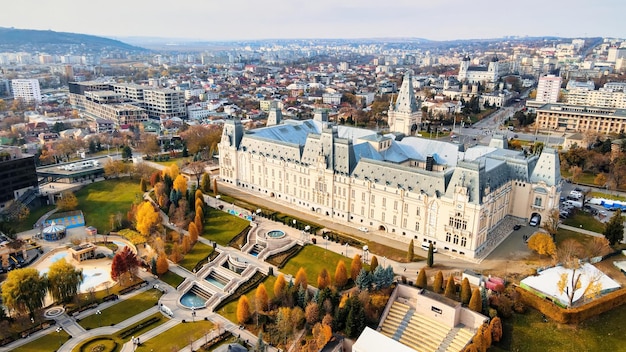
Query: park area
[[101, 199], [221, 227]]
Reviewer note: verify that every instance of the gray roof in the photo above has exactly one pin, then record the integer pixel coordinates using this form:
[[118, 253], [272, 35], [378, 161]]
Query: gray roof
[[352, 151]]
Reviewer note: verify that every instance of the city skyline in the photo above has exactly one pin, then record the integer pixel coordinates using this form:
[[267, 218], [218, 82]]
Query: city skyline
[[280, 19]]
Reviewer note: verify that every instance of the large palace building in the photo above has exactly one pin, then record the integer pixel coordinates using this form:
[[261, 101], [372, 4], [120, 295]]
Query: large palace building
[[404, 187]]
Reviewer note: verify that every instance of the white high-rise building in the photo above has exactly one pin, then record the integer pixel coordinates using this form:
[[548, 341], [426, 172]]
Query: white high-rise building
[[548, 89], [26, 89]]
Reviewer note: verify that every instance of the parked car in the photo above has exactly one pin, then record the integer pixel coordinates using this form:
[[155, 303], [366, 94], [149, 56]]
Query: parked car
[[517, 227], [363, 229], [425, 246], [534, 221]]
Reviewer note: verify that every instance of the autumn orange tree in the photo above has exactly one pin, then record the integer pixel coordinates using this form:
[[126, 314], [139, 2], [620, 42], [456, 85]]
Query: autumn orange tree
[[243, 310], [301, 279], [147, 218], [542, 243], [496, 329], [162, 266], [422, 280], [466, 291], [193, 232], [280, 286], [476, 302], [341, 275], [323, 279], [438, 283], [355, 266], [450, 291], [261, 299]]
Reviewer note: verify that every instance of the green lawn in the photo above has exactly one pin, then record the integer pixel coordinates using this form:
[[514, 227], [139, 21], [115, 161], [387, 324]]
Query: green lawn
[[587, 221], [563, 235], [172, 279], [527, 332], [229, 311], [221, 227], [101, 199], [34, 215], [49, 342], [313, 259], [196, 254], [177, 337], [606, 196], [122, 310], [117, 337]]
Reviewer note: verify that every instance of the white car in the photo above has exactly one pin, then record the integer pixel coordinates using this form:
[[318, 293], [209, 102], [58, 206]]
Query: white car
[[363, 229], [425, 246]]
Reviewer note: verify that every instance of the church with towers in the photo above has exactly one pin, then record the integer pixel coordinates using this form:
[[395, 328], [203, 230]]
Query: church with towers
[[479, 74], [462, 200]]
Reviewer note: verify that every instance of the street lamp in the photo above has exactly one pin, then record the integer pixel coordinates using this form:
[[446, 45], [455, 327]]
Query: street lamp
[[58, 330], [294, 222], [326, 238], [217, 198], [99, 313], [347, 248], [193, 314]]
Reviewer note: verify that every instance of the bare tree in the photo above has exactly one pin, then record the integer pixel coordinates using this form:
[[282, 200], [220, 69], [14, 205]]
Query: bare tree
[[570, 281], [551, 223], [196, 168]]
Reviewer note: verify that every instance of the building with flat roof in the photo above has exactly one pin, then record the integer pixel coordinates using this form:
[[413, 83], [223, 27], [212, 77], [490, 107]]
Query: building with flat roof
[[576, 118], [548, 89], [18, 174], [27, 90]]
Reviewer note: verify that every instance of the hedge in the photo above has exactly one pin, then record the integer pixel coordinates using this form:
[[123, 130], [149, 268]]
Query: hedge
[[573, 315]]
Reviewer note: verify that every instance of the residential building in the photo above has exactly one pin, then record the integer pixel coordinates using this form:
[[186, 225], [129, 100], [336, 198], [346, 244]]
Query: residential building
[[17, 172], [405, 188], [548, 89], [27, 90], [602, 98], [577, 118], [331, 98], [165, 103]]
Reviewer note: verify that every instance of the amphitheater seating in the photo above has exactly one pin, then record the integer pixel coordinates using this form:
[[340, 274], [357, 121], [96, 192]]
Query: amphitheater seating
[[462, 337]]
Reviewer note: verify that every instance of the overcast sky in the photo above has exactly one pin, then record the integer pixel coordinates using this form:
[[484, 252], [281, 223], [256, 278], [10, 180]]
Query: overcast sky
[[265, 19]]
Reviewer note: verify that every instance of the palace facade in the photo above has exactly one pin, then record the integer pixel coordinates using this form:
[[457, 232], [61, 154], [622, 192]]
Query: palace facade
[[402, 187]]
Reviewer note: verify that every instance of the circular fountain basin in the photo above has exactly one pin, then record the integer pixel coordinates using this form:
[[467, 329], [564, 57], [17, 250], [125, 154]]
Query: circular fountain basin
[[276, 234]]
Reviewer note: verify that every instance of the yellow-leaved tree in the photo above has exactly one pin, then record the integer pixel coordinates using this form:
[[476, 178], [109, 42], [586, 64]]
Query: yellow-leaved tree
[[180, 184], [542, 243], [147, 218], [243, 310]]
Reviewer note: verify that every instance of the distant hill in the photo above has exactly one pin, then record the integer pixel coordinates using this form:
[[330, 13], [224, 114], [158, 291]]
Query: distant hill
[[11, 38]]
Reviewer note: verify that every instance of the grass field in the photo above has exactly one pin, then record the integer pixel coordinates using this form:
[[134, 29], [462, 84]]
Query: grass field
[[229, 311], [313, 259], [122, 310], [49, 342], [117, 337], [196, 254], [177, 337], [172, 279], [587, 221], [606, 196], [34, 215], [221, 227], [527, 332], [101, 199]]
